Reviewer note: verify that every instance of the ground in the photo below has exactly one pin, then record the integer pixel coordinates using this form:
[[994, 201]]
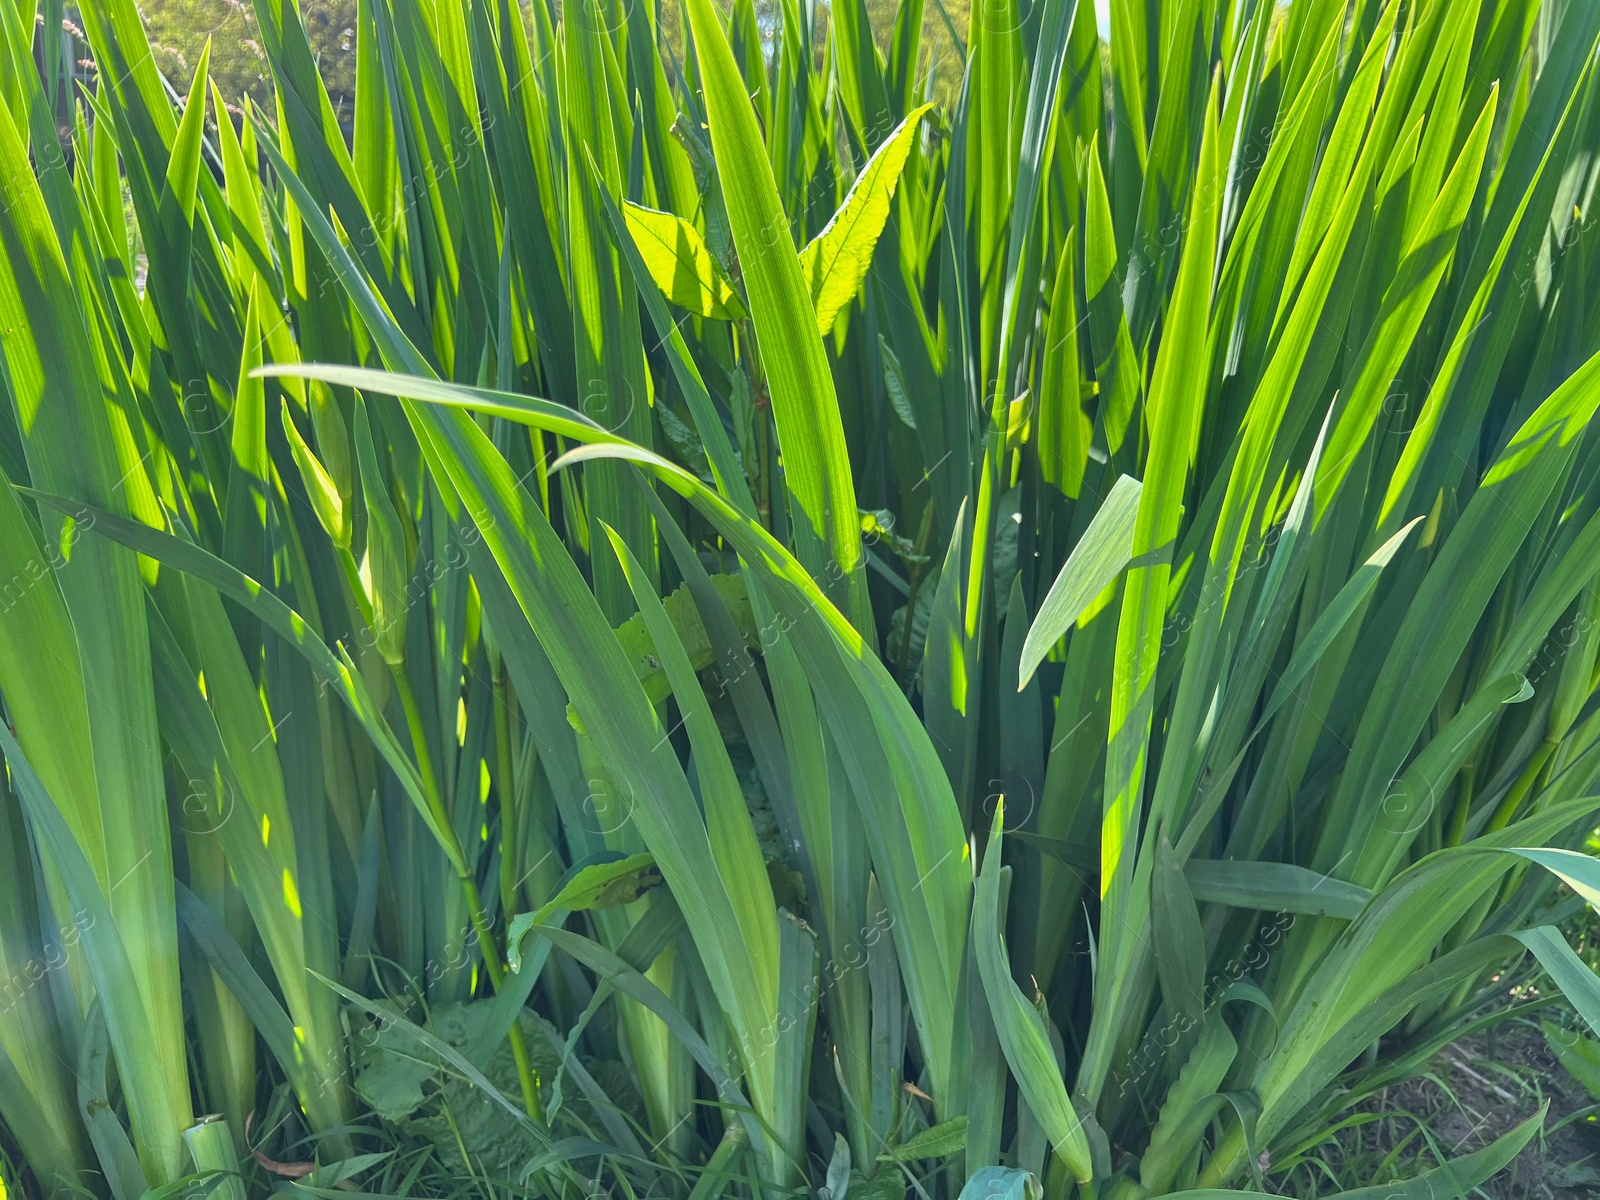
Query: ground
[[1475, 1090]]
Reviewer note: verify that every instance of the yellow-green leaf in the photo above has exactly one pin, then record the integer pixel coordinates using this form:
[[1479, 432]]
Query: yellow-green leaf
[[836, 260], [325, 498], [681, 263]]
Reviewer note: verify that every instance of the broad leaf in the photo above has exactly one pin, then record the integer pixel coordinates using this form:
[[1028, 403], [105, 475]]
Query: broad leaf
[[835, 262], [681, 264]]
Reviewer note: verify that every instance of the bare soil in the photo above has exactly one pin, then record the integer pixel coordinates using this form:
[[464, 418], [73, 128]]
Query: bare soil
[[1476, 1090]]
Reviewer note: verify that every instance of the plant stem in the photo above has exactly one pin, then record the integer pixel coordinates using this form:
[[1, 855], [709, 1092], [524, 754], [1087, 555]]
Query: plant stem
[[1458, 816], [505, 785], [1519, 790], [469, 886], [918, 570], [717, 1174], [211, 1145]]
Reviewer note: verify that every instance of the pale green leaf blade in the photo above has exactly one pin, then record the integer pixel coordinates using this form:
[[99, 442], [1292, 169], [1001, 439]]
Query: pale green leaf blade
[[1097, 559], [939, 1141], [1023, 1037], [1273, 887], [805, 404], [1570, 973]]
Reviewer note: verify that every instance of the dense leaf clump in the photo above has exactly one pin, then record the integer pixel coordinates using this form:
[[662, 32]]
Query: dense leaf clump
[[677, 606]]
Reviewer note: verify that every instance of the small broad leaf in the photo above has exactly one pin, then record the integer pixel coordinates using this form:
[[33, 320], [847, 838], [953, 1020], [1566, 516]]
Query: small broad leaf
[[838, 1184], [605, 885], [690, 449], [424, 1039], [836, 260], [880, 1185], [641, 648], [598, 885], [681, 263], [1002, 1183], [626, 888], [944, 1139], [894, 382]]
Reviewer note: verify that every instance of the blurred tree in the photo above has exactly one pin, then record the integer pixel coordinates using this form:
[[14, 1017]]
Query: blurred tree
[[179, 28], [944, 39], [944, 33]]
